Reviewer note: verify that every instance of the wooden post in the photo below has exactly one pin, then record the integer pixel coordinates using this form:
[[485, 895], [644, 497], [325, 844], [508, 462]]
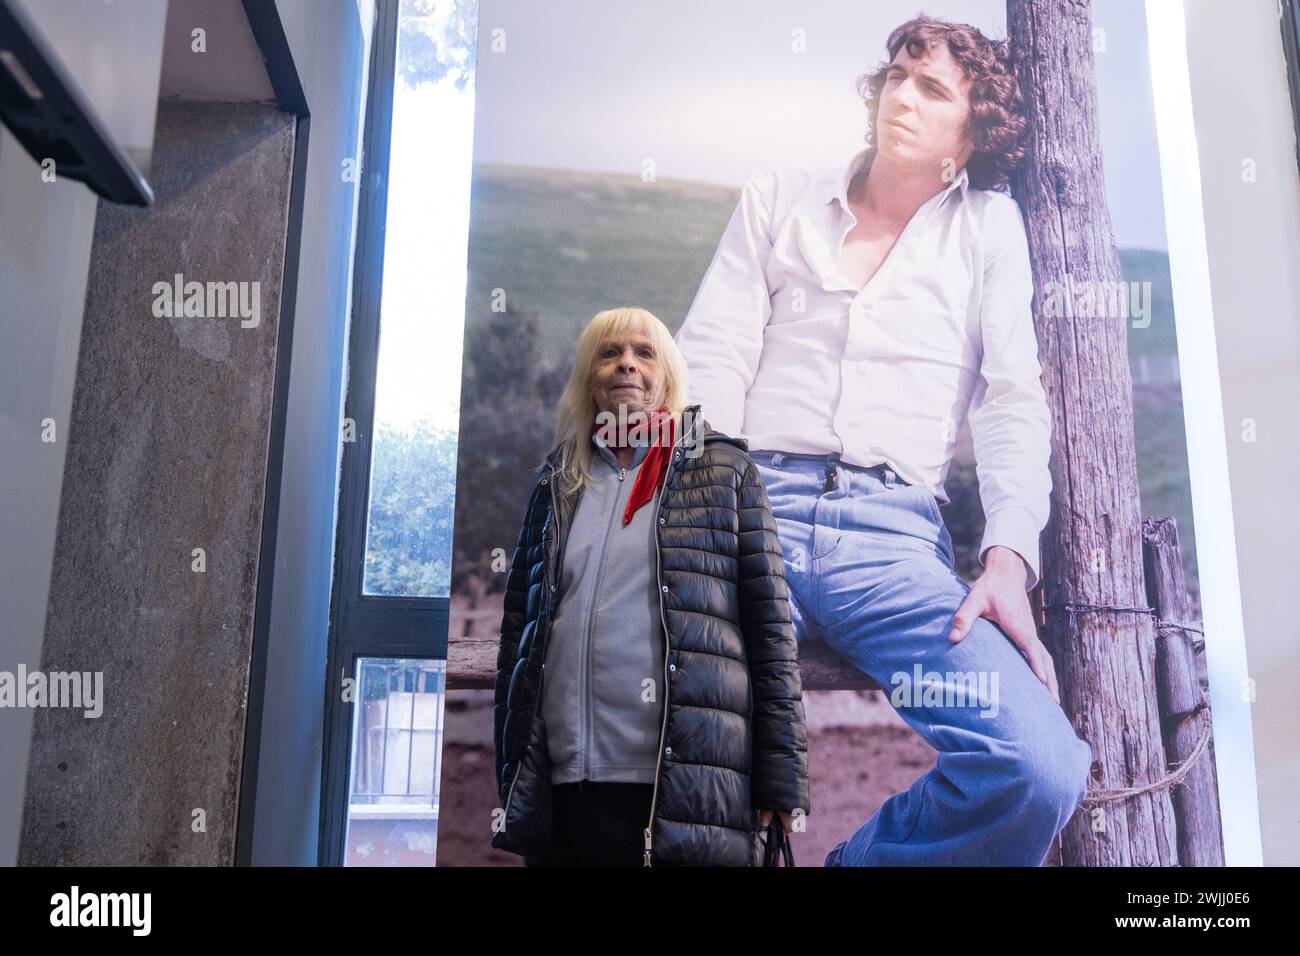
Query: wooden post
[[1183, 707], [473, 636], [1098, 625]]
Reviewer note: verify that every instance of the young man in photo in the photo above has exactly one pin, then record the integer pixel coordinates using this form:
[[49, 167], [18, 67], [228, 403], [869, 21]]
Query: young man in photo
[[849, 323]]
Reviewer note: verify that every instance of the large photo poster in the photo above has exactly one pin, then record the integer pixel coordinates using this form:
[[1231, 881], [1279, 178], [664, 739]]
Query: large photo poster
[[912, 271]]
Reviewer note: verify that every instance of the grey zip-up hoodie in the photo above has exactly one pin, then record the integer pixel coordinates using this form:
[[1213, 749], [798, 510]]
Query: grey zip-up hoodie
[[602, 695]]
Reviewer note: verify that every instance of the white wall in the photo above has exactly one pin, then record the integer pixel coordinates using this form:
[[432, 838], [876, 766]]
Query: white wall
[[44, 261], [1243, 114], [331, 47]]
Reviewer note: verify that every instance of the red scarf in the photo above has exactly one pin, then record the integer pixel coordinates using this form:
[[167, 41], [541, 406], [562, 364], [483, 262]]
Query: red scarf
[[650, 476]]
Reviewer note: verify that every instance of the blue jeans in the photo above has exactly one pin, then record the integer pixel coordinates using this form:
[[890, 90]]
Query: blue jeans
[[870, 568]]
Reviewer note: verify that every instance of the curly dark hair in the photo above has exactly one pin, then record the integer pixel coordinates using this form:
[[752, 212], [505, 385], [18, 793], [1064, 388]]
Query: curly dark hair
[[996, 125]]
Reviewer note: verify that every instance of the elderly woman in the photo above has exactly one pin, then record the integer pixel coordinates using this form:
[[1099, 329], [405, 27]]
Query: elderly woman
[[648, 706]]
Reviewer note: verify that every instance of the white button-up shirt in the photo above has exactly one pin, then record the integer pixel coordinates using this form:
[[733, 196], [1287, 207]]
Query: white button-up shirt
[[786, 352]]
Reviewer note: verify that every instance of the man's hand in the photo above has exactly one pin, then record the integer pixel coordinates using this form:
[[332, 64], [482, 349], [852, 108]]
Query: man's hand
[[787, 819], [999, 595]]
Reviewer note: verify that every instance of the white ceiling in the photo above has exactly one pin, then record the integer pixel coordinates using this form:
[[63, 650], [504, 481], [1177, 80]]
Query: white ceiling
[[230, 69]]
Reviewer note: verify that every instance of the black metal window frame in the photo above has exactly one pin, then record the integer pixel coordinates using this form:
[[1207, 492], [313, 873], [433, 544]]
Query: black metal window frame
[[363, 625], [269, 34]]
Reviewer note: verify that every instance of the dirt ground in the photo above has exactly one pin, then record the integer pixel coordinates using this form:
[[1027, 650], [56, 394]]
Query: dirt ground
[[860, 754]]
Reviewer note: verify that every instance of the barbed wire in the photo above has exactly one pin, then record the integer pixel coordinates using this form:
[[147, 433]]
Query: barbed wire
[[1163, 628]]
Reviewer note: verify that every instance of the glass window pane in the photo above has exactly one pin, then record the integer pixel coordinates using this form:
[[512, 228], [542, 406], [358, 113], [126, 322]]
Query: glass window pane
[[392, 815], [417, 394]]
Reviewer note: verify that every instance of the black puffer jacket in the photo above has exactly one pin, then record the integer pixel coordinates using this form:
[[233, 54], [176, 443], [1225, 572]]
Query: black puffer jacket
[[733, 739]]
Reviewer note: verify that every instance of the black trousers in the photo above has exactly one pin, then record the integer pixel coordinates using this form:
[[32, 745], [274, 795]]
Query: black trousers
[[597, 824]]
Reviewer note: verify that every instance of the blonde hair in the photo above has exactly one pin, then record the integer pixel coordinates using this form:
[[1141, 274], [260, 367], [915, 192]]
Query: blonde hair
[[578, 409]]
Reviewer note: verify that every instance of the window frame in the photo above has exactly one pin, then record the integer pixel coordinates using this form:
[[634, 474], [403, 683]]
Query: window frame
[[366, 625], [268, 33]]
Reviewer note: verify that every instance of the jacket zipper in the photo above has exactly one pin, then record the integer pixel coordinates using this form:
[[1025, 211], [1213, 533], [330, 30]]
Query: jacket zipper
[[663, 726], [559, 543]]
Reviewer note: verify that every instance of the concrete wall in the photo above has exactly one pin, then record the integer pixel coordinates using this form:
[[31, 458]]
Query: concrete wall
[[1253, 234], [166, 456], [43, 268]]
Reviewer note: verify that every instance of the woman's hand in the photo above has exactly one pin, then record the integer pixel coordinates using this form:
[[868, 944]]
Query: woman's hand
[[787, 819]]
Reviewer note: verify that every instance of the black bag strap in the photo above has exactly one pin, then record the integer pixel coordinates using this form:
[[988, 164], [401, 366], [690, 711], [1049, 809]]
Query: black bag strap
[[776, 847]]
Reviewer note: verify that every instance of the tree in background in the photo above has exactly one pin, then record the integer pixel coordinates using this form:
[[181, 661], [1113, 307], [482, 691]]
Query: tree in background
[[410, 516], [507, 424], [437, 39]]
